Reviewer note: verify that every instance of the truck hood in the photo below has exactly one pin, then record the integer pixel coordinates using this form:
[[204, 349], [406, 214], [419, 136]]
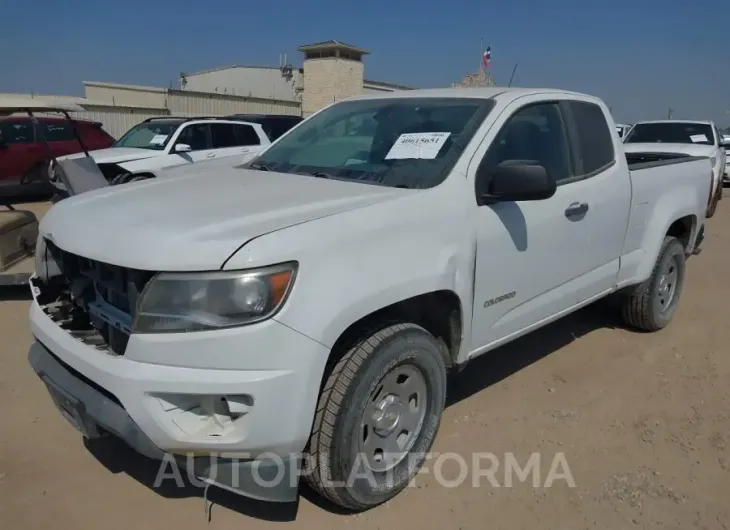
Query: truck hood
[[686, 149], [196, 222], [115, 155]]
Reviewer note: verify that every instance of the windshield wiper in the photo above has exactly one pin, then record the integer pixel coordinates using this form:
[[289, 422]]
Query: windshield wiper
[[322, 175], [259, 167]]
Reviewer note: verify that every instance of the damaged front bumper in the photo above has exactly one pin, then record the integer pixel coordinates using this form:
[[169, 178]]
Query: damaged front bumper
[[95, 413]]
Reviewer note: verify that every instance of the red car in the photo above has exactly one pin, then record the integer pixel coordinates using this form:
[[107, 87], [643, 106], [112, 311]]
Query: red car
[[24, 157]]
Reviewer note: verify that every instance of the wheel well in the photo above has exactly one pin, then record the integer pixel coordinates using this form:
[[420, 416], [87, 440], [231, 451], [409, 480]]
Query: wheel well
[[438, 312], [682, 229]]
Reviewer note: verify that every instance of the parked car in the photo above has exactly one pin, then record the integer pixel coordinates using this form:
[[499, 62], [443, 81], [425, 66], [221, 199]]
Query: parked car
[[159, 143], [622, 129], [19, 228], [24, 157], [317, 298], [683, 138], [275, 125]]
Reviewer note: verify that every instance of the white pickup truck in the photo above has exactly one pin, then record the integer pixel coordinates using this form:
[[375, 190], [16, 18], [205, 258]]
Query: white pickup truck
[[681, 138], [298, 317]]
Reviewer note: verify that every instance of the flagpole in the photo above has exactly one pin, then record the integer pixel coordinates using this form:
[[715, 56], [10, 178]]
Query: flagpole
[[481, 53], [511, 78]]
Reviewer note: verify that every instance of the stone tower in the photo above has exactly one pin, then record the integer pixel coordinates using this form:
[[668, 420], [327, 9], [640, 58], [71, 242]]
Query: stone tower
[[333, 71]]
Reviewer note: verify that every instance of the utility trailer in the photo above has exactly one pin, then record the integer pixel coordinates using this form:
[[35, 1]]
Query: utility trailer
[[19, 227]]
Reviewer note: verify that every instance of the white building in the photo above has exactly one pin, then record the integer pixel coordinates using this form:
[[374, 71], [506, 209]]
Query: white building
[[330, 71]]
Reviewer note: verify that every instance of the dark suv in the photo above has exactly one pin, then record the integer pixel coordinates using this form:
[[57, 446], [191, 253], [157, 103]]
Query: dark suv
[[274, 125], [24, 157]]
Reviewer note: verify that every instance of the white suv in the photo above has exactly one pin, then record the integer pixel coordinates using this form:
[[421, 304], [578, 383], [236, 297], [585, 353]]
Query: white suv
[[159, 143]]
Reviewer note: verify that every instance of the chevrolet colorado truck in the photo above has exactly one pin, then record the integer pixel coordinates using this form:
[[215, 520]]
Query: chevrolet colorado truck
[[680, 138], [297, 317]]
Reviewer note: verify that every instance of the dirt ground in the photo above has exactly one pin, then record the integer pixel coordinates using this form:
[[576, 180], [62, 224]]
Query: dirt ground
[[643, 422]]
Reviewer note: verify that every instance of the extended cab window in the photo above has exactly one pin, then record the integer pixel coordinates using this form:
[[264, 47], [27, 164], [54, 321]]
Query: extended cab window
[[593, 139], [535, 133], [412, 143], [16, 132], [196, 136]]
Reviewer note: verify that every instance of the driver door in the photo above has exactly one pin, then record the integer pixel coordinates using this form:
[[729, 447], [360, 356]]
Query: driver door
[[528, 262]]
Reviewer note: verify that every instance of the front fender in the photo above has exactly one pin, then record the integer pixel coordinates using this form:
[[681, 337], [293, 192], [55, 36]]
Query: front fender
[[363, 260]]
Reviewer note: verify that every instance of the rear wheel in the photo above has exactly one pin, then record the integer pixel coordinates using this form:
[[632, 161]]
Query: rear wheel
[[651, 305], [377, 416]]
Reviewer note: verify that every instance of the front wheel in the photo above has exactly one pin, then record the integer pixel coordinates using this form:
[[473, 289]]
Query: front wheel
[[377, 416], [651, 305]]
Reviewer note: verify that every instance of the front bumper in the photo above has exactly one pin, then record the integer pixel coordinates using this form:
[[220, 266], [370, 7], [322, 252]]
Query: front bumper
[[163, 409]]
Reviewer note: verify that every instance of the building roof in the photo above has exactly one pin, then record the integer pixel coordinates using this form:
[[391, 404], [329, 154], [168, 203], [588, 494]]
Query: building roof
[[331, 44]]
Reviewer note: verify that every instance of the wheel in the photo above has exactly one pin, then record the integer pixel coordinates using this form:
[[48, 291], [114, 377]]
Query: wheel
[[651, 305], [377, 416]]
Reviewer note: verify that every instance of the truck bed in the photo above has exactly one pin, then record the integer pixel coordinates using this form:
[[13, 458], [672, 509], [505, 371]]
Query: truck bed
[[646, 160]]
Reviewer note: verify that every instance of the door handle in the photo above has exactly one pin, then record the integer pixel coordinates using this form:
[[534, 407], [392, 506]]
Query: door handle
[[576, 209], [210, 155]]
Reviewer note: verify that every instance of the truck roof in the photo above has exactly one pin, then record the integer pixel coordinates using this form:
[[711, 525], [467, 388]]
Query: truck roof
[[470, 92]]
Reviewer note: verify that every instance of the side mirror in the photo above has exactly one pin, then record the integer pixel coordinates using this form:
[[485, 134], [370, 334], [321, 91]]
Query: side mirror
[[183, 148], [725, 142], [519, 180]]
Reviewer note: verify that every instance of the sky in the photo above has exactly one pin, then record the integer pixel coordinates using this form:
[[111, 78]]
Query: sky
[[642, 57]]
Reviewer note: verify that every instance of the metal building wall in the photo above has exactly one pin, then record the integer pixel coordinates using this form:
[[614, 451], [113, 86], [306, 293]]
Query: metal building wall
[[253, 81], [187, 103], [117, 121]]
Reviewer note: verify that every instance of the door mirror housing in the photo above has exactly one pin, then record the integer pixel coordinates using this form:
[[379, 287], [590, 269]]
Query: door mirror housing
[[182, 148], [519, 180], [725, 142]]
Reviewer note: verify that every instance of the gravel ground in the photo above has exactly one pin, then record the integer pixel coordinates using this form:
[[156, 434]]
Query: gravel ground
[[641, 422]]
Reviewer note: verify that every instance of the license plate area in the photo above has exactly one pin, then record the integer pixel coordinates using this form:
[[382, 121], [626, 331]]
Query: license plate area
[[72, 409]]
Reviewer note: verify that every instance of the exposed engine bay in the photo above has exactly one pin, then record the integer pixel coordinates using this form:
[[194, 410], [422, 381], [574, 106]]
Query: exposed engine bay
[[93, 301]]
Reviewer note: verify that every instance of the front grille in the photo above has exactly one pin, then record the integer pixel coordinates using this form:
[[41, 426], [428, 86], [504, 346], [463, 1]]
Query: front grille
[[98, 300]]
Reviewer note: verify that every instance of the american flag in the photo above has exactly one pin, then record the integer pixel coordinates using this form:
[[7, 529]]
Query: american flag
[[487, 57]]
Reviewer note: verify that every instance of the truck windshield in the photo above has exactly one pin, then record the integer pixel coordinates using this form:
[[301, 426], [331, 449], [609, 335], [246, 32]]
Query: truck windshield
[[149, 135], [397, 142], [671, 133]]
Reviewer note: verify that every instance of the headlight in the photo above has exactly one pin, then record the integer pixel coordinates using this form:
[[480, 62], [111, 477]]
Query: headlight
[[178, 302]]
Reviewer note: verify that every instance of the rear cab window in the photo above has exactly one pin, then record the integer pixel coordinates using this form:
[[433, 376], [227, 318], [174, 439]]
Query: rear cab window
[[591, 138]]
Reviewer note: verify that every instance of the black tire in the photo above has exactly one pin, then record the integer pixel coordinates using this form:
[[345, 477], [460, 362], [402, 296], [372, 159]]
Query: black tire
[[354, 385], [641, 307]]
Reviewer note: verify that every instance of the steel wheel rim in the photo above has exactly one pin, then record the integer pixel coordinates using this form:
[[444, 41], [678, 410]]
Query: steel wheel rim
[[393, 418], [667, 285]]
